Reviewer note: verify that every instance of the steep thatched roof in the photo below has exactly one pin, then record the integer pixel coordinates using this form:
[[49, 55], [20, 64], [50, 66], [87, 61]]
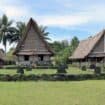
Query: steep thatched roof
[[86, 46], [32, 51]]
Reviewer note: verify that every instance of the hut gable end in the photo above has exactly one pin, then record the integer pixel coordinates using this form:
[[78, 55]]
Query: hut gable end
[[89, 46], [32, 42], [99, 47]]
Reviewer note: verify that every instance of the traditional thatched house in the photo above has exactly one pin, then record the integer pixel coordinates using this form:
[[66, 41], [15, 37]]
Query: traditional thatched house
[[91, 49], [33, 49]]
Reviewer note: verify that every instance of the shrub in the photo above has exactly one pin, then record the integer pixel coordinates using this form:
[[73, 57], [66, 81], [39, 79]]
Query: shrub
[[92, 66], [32, 77], [83, 68], [61, 68], [97, 70], [20, 70], [5, 78], [51, 77]]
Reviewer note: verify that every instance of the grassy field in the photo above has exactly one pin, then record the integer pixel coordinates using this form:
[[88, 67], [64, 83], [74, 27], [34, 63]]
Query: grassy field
[[91, 92], [53, 93], [71, 70]]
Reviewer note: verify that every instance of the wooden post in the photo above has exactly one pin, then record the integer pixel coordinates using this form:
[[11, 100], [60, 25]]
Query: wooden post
[[96, 61], [103, 62], [88, 62]]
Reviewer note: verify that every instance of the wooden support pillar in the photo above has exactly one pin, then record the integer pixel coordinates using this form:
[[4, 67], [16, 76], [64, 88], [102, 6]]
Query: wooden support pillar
[[103, 61], [88, 62], [96, 61]]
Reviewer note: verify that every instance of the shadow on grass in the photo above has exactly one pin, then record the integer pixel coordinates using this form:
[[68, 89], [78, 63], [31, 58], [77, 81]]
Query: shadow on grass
[[51, 77]]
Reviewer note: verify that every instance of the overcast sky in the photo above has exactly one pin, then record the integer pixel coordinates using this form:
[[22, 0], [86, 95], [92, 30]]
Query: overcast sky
[[64, 18]]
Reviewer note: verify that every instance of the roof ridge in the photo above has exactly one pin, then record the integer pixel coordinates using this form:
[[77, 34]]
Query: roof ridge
[[93, 36]]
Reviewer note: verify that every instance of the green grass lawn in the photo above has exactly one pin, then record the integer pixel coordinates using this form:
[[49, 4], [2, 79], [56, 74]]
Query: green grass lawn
[[71, 70], [91, 92], [53, 93]]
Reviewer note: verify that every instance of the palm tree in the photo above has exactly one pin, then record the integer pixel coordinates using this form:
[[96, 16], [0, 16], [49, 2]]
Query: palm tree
[[18, 32], [43, 32], [5, 26], [20, 29]]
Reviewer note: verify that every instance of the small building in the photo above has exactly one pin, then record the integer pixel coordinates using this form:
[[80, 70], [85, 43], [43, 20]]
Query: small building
[[32, 48], [91, 50]]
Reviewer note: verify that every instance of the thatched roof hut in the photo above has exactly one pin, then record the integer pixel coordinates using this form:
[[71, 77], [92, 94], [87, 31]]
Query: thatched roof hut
[[91, 48], [33, 47]]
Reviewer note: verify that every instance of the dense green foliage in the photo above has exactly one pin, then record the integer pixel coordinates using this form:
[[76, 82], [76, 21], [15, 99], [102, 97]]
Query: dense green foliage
[[61, 76], [74, 43], [18, 32], [6, 30], [65, 53], [58, 46], [44, 33]]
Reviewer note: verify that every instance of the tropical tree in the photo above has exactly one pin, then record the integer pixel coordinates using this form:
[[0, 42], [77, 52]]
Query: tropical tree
[[74, 43], [20, 29], [18, 32], [63, 55], [5, 28], [58, 46], [44, 33]]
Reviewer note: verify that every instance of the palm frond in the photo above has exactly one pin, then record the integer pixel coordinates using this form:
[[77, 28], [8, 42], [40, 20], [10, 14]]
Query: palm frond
[[4, 19], [10, 23]]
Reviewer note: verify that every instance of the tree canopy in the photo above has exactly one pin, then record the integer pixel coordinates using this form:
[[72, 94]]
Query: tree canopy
[[64, 54], [5, 30]]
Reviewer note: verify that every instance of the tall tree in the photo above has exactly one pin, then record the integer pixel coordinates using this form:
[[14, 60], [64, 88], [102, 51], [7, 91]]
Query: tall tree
[[20, 29], [44, 33], [18, 32], [58, 46], [5, 25], [63, 55], [74, 43]]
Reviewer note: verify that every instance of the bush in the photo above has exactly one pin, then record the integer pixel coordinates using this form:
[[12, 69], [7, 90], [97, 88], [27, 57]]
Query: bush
[[51, 77], [32, 77], [5, 78], [97, 70], [92, 66], [62, 68], [19, 77], [83, 68], [20, 70]]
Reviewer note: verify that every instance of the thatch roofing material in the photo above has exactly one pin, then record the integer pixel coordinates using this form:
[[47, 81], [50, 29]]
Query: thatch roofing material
[[33, 53], [85, 46], [34, 24]]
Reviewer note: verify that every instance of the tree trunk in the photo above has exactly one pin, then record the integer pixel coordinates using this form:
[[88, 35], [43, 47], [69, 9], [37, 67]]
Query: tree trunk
[[5, 50]]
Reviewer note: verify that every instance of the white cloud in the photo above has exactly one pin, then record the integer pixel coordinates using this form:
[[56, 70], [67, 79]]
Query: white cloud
[[13, 11], [89, 14], [62, 21]]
